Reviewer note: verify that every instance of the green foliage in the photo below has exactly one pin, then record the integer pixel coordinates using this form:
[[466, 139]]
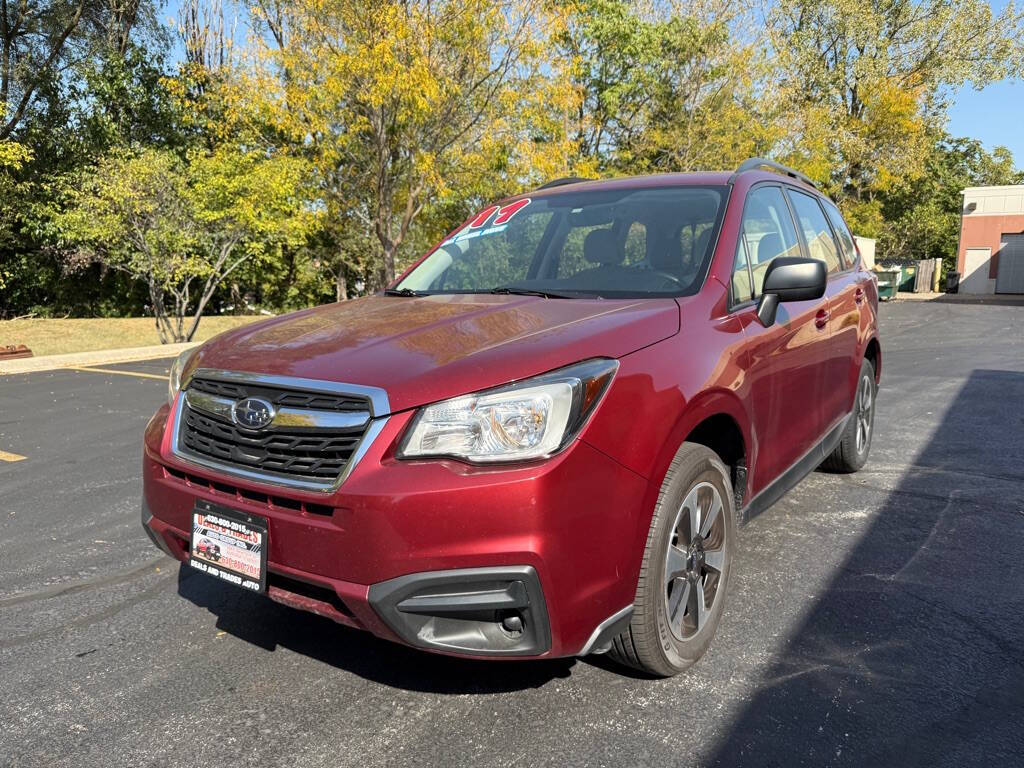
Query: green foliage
[[343, 138], [13, 157], [181, 227], [658, 84], [399, 105], [923, 216], [863, 81]]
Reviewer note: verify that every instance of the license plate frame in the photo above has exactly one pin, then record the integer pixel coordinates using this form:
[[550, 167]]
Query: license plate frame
[[228, 543]]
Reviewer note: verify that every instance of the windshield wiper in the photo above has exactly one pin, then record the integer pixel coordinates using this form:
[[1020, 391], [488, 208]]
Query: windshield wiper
[[403, 292], [513, 291]]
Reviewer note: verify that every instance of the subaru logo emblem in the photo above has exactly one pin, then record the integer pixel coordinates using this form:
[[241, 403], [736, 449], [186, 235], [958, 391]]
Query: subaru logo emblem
[[252, 413]]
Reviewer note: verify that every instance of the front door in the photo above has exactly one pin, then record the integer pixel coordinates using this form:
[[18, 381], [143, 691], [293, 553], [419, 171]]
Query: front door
[[844, 296], [784, 363]]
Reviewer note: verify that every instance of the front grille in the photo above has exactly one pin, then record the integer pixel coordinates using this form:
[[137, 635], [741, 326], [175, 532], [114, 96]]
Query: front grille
[[310, 454], [281, 397]]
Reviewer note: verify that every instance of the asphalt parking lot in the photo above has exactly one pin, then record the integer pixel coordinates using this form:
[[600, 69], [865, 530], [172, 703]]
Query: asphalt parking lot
[[875, 619]]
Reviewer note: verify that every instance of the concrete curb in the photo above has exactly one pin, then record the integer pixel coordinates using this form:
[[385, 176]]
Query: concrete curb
[[1005, 299], [99, 357]]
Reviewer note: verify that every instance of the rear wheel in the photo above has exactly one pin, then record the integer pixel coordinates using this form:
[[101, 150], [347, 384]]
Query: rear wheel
[[685, 570], [852, 452]]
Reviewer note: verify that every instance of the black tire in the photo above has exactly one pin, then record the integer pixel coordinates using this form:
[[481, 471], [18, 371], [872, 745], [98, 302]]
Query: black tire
[[654, 642], [852, 452]]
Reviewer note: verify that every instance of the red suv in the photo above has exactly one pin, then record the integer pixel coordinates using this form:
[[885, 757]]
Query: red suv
[[540, 440]]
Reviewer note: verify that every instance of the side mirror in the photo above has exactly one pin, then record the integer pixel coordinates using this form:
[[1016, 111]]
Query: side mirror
[[790, 278]]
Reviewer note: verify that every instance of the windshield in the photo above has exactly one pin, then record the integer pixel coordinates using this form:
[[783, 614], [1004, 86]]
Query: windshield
[[608, 243]]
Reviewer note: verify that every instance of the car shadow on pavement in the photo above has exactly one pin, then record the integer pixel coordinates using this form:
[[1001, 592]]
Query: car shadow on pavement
[[270, 625], [914, 653]]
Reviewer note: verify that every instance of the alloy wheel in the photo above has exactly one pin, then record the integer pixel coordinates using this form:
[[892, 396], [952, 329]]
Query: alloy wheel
[[865, 413], [695, 559]]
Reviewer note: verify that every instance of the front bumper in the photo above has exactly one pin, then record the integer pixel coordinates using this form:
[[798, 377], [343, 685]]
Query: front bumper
[[524, 561]]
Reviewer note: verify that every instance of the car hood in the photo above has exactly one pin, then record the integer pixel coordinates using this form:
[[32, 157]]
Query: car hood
[[425, 349]]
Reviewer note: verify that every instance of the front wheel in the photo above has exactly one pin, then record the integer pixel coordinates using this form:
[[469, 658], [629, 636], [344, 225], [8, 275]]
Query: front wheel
[[685, 570]]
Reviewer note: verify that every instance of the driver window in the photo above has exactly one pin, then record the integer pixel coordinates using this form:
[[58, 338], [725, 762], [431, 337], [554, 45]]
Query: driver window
[[767, 232]]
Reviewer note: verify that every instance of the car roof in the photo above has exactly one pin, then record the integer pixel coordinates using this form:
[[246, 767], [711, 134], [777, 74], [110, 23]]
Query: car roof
[[662, 180]]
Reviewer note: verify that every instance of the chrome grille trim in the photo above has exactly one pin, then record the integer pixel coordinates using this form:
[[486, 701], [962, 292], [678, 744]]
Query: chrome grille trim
[[291, 418], [374, 422], [378, 398]]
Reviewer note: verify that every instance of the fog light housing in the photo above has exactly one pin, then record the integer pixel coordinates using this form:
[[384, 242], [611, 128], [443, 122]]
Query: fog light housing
[[480, 611]]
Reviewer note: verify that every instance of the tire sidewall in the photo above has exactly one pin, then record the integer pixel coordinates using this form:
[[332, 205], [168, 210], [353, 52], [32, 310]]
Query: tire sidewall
[[680, 654], [867, 371]]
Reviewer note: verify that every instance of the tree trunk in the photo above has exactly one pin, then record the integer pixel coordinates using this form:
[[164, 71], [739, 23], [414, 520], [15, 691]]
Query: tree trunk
[[389, 263], [341, 284], [215, 279], [180, 307], [160, 319], [5, 58]]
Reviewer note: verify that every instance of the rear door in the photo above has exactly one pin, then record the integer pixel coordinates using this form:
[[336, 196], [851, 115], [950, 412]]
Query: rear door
[[842, 310], [783, 363], [848, 293]]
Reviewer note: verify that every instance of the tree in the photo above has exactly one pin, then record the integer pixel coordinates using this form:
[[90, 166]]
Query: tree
[[922, 215], [663, 86], [13, 157], [401, 104], [77, 78], [864, 82], [42, 42], [33, 41], [181, 226]]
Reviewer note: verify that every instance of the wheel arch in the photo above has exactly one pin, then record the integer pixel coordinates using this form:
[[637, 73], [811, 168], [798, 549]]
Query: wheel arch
[[873, 352], [718, 420], [722, 434]]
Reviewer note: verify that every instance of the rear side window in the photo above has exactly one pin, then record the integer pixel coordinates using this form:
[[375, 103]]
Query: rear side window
[[842, 232], [766, 233], [817, 233]]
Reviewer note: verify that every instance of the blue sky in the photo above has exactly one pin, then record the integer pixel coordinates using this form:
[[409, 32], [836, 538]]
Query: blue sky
[[994, 115]]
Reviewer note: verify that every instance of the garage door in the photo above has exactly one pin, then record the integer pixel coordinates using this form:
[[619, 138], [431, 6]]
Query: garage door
[[1010, 277]]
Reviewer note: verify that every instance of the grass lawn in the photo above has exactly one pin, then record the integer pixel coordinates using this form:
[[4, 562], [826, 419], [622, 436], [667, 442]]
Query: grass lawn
[[56, 337]]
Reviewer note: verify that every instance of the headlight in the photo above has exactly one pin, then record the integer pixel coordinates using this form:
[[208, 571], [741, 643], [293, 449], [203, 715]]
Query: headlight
[[177, 368], [530, 419]]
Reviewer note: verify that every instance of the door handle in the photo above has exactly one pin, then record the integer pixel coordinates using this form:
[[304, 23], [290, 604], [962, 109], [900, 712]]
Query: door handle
[[858, 295], [821, 318]]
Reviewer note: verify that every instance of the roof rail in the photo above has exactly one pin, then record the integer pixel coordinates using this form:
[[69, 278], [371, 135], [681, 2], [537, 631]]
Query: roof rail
[[761, 163], [562, 182]]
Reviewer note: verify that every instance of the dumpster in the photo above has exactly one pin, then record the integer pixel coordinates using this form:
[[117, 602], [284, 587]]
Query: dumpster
[[888, 283], [952, 282], [907, 277]]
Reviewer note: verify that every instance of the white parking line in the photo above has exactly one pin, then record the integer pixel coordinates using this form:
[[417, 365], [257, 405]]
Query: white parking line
[[120, 373]]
